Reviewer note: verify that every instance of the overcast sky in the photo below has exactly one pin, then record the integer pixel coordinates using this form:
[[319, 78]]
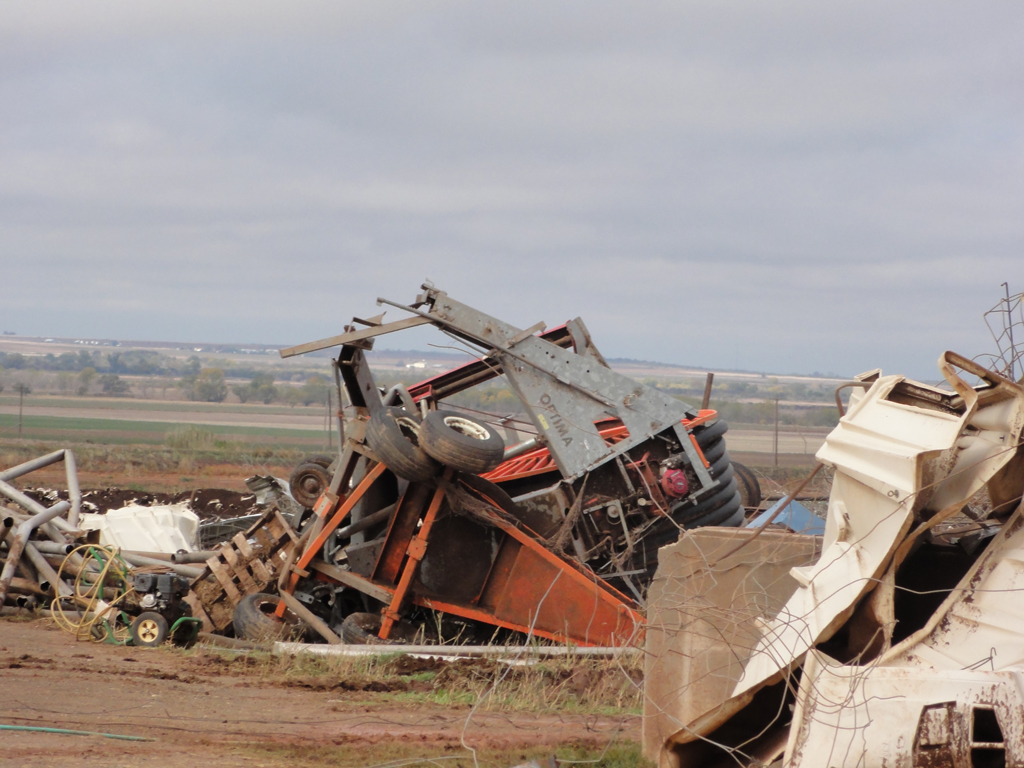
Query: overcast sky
[[780, 186]]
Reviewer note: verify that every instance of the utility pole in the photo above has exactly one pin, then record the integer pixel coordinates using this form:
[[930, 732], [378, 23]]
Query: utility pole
[[775, 441]]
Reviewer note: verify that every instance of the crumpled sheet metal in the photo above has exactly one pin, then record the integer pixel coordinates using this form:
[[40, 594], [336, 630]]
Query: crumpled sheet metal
[[970, 654], [905, 455], [894, 462], [703, 610]]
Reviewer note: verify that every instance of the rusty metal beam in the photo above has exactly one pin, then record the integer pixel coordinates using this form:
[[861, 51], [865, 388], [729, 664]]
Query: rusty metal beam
[[354, 336]]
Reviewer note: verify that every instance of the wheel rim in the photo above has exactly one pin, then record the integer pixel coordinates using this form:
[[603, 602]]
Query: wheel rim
[[410, 428], [148, 630], [467, 427]]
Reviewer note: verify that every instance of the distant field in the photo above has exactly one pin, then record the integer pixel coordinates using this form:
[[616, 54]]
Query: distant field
[[8, 402], [126, 421], [74, 427]]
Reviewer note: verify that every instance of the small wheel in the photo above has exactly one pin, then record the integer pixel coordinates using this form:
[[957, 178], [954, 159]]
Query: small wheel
[[363, 628], [461, 443], [149, 630], [394, 436], [254, 619], [307, 482]]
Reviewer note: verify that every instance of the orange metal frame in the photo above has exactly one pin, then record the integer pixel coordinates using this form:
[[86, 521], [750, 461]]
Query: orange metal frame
[[529, 588], [539, 461]]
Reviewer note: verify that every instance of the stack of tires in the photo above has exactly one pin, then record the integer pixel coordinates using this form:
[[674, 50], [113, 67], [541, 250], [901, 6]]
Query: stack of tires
[[418, 449]]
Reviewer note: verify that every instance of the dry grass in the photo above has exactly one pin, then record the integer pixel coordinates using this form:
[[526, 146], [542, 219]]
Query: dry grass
[[576, 684]]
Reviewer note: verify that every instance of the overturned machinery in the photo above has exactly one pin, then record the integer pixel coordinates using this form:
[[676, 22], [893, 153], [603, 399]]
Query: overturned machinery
[[897, 639], [426, 509]]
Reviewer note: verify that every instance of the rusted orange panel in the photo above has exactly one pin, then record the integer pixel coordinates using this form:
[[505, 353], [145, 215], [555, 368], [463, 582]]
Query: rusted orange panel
[[403, 527], [508, 550]]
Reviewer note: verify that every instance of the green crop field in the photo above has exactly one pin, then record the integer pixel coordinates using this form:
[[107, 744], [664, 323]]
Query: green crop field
[[117, 431]]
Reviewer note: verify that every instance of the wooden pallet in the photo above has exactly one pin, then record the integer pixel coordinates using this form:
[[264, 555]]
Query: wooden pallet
[[248, 563]]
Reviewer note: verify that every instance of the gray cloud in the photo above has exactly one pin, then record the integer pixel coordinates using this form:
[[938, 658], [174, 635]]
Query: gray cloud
[[789, 186]]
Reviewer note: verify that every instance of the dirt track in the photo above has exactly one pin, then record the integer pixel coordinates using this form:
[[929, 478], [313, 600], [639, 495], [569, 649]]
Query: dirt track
[[202, 707]]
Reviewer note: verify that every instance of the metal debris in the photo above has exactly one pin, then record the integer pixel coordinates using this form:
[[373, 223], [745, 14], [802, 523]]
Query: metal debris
[[856, 658]]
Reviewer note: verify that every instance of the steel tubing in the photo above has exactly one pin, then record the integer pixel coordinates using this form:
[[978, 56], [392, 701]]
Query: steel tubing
[[32, 465], [27, 587], [182, 558], [71, 469], [184, 570], [53, 548], [21, 543], [45, 570]]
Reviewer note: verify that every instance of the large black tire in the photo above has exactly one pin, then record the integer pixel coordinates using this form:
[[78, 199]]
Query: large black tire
[[394, 436], [308, 481], [750, 489], [254, 619], [149, 630], [461, 443], [362, 629]]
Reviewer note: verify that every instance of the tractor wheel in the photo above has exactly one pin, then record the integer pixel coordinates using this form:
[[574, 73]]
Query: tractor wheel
[[394, 436], [461, 443]]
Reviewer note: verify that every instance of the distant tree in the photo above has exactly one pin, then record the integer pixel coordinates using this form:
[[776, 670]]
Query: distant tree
[[261, 388], [114, 385], [292, 396], [209, 386], [315, 390], [22, 388], [85, 378]]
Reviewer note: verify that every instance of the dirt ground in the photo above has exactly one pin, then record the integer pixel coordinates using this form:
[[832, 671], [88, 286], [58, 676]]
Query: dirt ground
[[212, 708]]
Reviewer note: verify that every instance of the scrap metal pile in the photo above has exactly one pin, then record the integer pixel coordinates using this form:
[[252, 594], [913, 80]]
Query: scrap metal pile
[[426, 512], [898, 638], [61, 559]]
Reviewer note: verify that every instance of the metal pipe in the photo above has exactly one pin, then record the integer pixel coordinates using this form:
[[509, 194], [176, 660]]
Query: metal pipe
[[20, 543], [32, 465], [366, 522], [520, 448], [28, 587], [164, 556], [201, 556], [53, 548], [46, 571], [705, 402], [458, 651], [74, 492], [184, 570], [5, 527]]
